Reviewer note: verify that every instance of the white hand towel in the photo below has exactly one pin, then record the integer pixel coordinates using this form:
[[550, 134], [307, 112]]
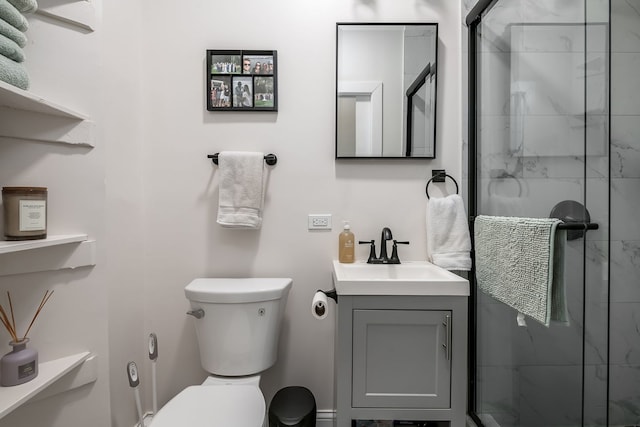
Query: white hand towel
[[242, 183], [448, 240]]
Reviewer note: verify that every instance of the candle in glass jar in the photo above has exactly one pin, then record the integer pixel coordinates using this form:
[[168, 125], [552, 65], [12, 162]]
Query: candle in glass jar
[[25, 212]]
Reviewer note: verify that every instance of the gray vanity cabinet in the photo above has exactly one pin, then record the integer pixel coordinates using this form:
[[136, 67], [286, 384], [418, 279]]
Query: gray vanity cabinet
[[401, 358]]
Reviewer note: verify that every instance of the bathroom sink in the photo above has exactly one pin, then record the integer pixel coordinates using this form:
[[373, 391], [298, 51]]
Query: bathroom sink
[[408, 278]]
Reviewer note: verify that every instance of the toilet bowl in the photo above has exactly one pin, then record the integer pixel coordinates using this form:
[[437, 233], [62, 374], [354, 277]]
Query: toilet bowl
[[237, 325]]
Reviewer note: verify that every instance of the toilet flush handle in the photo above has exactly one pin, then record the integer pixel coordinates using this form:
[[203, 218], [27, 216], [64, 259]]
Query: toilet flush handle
[[198, 314]]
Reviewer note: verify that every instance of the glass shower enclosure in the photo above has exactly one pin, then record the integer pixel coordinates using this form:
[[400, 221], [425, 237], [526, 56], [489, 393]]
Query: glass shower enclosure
[[554, 131]]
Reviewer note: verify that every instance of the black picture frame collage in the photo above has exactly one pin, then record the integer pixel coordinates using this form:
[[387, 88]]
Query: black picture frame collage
[[242, 80]]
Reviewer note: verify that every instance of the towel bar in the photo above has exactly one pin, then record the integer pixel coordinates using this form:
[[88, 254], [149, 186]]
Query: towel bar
[[578, 226], [269, 159], [439, 175], [565, 225]]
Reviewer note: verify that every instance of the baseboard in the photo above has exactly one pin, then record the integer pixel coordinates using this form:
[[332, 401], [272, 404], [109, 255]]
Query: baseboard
[[325, 418]]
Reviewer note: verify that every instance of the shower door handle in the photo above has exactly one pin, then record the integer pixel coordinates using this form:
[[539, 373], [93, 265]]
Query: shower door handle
[[447, 336]]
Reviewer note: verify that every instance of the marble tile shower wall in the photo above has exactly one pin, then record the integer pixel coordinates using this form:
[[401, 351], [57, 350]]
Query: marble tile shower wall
[[529, 376], [625, 205]]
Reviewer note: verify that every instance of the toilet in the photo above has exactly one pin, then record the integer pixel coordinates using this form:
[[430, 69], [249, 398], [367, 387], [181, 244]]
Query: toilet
[[237, 325]]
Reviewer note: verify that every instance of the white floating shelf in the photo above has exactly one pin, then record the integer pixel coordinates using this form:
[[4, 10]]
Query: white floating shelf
[[13, 97], [24, 115], [48, 372], [79, 13], [49, 258], [25, 245]]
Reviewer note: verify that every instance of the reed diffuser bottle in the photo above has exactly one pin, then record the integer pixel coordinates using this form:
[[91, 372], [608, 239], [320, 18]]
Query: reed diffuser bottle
[[20, 365]]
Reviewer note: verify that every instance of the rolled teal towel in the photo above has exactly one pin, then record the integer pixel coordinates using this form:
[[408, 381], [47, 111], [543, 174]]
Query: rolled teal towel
[[13, 16], [13, 33], [25, 6], [10, 49], [13, 73]]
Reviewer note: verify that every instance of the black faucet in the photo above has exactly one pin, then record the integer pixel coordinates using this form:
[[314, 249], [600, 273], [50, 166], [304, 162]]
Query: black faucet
[[386, 236], [384, 258]]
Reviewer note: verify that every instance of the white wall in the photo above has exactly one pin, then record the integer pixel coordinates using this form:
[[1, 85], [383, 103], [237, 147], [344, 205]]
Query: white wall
[[148, 194], [180, 194], [120, 91]]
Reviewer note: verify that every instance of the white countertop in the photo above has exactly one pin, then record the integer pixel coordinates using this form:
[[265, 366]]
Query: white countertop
[[409, 278]]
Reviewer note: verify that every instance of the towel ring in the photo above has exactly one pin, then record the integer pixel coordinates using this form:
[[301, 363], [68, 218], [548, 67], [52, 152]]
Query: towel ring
[[506, 175], [269, 159], [439, 178]]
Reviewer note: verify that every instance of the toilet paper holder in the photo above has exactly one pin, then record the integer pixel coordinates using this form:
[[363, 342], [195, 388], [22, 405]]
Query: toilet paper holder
[[330, 294]]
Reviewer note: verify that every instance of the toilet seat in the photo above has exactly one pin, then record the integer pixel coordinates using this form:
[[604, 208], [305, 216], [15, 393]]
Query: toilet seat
[[213, 406]]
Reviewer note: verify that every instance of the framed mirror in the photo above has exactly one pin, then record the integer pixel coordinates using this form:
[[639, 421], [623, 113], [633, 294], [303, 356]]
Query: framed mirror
[[386, 90]]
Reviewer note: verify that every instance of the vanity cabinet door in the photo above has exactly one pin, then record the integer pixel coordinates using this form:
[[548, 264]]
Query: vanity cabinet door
[[401, 359]]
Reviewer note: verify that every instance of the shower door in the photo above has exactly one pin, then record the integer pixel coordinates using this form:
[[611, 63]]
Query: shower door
[[540, 148]]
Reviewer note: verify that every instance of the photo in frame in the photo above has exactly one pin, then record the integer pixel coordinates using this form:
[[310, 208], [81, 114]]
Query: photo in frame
[[258, 64], [225, 64], [263, 90], [220, 91], [242, 80], [242, 91]]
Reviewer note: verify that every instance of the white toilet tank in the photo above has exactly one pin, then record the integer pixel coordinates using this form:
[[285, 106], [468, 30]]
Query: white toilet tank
[[238, 334]]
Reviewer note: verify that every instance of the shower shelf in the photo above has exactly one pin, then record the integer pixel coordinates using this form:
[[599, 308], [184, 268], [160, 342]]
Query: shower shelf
[[13, 397]]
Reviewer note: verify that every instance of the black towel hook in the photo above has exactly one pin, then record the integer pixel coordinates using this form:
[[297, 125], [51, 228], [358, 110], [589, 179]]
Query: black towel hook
[[439, 175]]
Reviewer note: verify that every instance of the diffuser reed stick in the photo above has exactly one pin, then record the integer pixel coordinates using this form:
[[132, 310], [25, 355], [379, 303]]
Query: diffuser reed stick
[[13, 319], [10, 323]]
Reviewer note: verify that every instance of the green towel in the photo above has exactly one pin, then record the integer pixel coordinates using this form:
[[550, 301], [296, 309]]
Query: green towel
[[13, 33], [25, 6], [519, 261], [13, 73], [13, 16], [10, 49]]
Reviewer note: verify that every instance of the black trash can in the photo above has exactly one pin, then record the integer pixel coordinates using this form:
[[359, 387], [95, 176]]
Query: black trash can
[[293, 406]]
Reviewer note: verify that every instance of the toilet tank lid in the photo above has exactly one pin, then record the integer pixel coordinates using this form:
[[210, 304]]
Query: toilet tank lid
[[235, 290]]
